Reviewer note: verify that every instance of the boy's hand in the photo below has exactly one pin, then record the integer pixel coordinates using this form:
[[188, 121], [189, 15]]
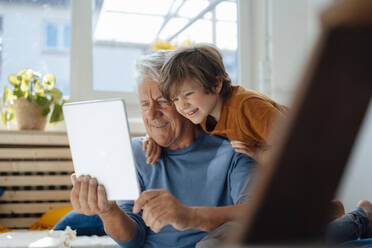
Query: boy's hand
[[242, 147], [153, 150]]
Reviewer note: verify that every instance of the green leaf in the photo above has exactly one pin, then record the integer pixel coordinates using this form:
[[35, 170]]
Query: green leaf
[[19, 79], [6, 116], [3, 117], [25, 85], [38, 87], [29, 97], [56, 94], [11, 117], [45, 111], [7, 96], [18, 93], [11, 109], [57, 114], [42, 101]]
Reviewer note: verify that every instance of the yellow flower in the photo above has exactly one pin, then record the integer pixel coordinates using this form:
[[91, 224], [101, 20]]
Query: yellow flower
[[48, 81], [166, 45], [186, 43]]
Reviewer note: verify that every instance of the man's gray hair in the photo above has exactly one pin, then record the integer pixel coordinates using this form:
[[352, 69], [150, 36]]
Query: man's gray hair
[[150, 65]]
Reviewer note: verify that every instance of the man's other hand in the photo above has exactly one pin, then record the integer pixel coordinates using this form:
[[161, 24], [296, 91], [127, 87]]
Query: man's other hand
[[88, 197], [161, 208]]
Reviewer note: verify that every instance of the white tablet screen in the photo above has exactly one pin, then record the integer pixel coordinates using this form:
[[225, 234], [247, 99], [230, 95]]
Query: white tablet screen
[[100, 145]]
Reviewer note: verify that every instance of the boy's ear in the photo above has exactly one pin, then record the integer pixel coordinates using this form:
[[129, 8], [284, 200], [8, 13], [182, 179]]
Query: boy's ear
[[218, 85]]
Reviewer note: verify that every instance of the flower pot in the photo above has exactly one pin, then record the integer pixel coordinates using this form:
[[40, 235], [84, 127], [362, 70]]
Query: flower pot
[[28, 115]]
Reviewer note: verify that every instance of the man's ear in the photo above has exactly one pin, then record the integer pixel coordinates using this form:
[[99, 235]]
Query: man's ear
[[218, 87]]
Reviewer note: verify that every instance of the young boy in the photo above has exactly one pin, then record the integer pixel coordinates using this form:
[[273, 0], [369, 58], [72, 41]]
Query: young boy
[[195, 80]]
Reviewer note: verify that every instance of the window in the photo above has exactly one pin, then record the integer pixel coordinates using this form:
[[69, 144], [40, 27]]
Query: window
[[124, 30], [57, 36], [66, 36], [51, 35]]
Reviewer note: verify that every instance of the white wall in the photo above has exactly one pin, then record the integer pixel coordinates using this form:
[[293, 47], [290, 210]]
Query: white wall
[[295, 30], [290, 42], [357, 182]]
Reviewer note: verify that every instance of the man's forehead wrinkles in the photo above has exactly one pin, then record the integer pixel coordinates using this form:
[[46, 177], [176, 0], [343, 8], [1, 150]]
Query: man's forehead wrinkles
[[146, 99]]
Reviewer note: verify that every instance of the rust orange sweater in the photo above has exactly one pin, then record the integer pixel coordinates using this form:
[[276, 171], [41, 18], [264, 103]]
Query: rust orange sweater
[[247, 116]]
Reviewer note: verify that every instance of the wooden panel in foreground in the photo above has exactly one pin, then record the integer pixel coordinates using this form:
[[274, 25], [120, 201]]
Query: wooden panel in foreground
[[300, 177]]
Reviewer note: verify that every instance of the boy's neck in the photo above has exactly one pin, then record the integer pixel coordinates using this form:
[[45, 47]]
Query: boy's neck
[[216, 112]]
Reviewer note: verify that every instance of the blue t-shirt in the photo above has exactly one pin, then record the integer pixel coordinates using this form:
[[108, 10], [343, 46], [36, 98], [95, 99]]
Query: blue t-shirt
[[206, 173]]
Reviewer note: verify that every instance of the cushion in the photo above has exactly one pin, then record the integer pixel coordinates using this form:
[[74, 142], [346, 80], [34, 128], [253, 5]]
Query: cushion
[[83, 224], [48, 220], [3, 229]]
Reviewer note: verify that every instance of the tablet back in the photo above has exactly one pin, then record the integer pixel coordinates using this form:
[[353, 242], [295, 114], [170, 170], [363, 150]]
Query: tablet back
[[100, 145]]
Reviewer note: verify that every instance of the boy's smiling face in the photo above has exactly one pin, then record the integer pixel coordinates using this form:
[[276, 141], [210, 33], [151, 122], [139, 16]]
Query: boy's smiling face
[[192, 101]]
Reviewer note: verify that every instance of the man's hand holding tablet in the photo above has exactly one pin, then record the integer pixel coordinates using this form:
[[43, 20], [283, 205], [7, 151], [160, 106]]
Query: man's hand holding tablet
[[89, 192]]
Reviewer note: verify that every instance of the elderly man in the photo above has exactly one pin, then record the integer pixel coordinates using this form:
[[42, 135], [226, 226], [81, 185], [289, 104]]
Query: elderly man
[[196, 186]]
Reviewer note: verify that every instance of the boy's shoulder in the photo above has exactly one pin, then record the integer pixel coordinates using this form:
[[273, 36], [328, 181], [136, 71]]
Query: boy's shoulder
[[241, 96]]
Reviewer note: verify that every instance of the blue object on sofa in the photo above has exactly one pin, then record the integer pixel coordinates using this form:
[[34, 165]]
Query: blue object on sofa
[[83, 224], [361, 243]]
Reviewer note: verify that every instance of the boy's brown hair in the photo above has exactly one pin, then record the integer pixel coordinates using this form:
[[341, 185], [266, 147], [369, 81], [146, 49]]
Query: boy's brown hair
[[201, 62]]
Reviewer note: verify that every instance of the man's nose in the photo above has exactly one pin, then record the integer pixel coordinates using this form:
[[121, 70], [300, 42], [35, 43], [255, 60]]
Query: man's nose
[[154, 112]]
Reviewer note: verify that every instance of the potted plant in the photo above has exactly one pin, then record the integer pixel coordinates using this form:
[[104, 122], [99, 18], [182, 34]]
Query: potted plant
[[30, 99]]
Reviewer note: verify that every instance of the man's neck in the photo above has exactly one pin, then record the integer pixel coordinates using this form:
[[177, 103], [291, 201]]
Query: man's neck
[[188, 137]]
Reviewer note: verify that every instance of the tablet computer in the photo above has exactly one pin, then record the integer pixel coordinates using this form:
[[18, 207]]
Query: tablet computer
[[101, 147]]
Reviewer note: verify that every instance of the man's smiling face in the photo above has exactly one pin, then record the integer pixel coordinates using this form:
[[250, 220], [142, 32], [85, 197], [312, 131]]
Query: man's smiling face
[[163, 123]]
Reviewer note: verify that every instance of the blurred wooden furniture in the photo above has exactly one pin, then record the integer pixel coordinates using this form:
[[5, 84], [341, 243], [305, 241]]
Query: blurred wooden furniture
[[35, 168], [300, 177]]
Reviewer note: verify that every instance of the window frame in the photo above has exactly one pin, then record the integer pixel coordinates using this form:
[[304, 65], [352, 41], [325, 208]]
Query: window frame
[[81, 71], [81, 87], [61, 25], [1, 44]]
